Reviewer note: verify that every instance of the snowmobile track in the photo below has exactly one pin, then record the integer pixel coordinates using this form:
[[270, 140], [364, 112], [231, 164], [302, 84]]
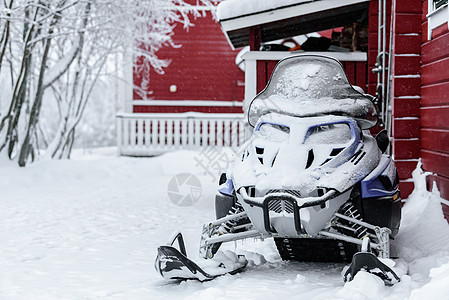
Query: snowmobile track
[[315, 250]]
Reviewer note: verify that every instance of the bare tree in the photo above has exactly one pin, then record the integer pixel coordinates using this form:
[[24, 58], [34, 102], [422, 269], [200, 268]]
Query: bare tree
[[64, 48]]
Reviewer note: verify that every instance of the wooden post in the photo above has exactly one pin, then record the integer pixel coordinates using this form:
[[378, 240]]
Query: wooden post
[[119, 121], [354, 42], [254, 38]]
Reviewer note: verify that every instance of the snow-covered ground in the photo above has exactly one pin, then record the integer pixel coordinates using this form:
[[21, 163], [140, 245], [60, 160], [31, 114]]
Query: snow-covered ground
[[88, 228]]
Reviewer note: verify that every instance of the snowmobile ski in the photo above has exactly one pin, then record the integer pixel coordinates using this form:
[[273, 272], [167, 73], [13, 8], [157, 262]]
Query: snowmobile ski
[[172, 263], [366, 260], [369, 262]]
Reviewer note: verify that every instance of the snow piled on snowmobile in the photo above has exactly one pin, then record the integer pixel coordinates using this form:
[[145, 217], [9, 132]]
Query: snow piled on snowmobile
[[305, 86], [311, 177]]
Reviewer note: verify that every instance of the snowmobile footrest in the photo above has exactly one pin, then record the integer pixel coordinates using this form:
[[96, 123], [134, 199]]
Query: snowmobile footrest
[[370, 263]]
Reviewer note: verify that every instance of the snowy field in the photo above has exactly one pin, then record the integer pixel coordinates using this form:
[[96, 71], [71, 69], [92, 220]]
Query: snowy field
[[88, 228]]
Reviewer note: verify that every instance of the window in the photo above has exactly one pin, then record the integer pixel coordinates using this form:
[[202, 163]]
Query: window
[[438, 15], [439, 3]]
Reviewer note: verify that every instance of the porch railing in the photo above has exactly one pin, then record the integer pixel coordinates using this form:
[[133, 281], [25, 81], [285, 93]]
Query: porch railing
[[151, 134]]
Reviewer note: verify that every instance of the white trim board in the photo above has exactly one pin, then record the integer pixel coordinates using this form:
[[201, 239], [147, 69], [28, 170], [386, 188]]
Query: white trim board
[[187, 103], [186, 115]]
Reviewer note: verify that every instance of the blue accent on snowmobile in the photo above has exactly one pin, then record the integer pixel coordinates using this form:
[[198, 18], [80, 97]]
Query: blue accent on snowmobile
[[372, 185], [227, 188]]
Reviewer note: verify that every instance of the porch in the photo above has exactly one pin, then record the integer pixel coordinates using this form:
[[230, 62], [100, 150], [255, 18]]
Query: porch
[[153, 134]]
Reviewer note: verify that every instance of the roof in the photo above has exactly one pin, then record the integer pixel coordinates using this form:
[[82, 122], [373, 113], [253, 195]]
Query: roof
[[279, 19]]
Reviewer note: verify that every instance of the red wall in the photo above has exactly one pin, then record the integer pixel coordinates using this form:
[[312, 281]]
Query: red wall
[[421, 97], [435, 104], [203, 68]]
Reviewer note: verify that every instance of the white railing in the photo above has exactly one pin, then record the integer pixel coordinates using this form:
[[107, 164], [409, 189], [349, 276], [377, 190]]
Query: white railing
[[151, 134]]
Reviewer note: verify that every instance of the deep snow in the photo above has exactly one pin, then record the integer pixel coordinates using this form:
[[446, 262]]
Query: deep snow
[[89, 228]]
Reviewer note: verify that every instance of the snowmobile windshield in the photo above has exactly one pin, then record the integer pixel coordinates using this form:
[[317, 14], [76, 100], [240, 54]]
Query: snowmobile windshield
[[312, 85]]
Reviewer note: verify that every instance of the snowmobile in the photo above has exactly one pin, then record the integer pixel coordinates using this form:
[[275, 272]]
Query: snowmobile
[[311, 176]]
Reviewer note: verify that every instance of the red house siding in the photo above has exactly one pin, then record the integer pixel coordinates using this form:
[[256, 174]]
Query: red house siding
[[435, 105], [202, 68]]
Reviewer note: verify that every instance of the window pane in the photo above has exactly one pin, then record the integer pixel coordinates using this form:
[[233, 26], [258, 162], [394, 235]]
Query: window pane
[[438, 3]]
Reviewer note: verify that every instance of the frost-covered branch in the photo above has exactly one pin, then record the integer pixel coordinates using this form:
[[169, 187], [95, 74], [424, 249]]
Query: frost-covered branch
[[58, 50]]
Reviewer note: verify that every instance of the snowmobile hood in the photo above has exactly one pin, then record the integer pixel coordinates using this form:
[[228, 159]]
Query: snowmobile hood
[[287, 152], [312, 85]]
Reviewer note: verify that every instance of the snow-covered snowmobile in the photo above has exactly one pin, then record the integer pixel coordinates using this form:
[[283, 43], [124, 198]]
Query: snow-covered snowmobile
[[311, 176]]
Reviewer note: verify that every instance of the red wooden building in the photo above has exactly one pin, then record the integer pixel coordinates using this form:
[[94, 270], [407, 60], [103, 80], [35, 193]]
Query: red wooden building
[[197, 101], [412, 78], [202, 75]]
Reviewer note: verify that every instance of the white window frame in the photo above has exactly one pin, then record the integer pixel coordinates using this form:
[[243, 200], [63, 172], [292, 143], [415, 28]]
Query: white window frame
[[436, 17]]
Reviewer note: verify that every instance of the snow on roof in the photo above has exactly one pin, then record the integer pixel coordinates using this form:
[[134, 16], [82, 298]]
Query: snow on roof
[[236, 8]]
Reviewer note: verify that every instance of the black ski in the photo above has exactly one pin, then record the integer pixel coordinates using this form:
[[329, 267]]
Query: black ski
[[370, 263], [172, 263]]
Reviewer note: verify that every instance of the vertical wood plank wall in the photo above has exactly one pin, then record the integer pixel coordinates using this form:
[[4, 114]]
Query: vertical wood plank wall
[[435, 105], [421, 97]]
